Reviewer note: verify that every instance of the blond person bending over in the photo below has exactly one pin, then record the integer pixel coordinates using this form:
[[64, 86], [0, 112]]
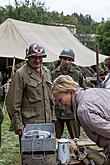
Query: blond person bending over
[[93, 109]]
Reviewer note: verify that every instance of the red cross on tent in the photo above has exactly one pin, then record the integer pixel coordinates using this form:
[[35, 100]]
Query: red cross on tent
[[38, 48]]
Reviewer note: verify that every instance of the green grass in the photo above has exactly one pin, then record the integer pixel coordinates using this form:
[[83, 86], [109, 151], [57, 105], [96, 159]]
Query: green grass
[[9, 151]]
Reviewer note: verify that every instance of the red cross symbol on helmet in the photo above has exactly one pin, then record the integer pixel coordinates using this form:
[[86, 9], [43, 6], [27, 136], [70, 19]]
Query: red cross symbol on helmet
[[37, 48]]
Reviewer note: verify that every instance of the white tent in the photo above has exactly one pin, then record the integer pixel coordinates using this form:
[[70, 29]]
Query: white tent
[[16, 35]]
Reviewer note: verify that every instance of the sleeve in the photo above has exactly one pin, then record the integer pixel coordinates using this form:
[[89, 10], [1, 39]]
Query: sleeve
[[16, 94], [52, 101], [53, 110], [81, 81], [95, 122]]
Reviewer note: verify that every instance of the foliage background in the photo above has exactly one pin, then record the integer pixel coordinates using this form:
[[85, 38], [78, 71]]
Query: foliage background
[[9, 151], [88, 31]]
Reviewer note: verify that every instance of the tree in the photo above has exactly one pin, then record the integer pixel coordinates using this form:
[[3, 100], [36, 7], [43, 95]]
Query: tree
[[103, 37], [35, 11]]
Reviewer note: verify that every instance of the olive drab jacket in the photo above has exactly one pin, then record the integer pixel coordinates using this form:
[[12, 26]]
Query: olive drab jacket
[[62, 112], [29, 99]]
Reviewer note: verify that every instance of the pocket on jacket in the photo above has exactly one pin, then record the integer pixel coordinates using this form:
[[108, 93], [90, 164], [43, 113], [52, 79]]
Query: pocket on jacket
[[34, 91], [29, 112]]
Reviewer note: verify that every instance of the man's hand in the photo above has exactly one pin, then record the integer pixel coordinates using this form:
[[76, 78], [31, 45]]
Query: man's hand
[[20, 131]]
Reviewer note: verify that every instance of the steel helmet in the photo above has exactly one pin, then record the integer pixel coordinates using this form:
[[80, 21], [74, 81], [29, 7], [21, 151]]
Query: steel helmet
[[67, 52], [35, 49]]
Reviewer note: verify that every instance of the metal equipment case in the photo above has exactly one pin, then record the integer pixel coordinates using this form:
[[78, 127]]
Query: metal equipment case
[[39, 150], [49, 159]]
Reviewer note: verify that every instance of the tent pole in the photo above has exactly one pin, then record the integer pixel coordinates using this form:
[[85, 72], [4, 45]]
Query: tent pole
[[13, 67]]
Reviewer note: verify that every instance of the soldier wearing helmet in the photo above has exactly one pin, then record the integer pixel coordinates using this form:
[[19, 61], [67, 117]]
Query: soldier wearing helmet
[[67, 52], [29, 98], [67, 56], [35, 49]]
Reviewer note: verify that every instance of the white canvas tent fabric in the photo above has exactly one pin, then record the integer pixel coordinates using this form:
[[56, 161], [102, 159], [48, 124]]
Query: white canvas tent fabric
[[16, 35]]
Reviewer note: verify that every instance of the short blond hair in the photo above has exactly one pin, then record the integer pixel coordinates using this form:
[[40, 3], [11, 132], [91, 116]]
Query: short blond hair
[[64, 83]]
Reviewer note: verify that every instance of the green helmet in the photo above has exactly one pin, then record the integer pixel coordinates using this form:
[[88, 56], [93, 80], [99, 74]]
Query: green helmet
[[35, 49], [67, 52]]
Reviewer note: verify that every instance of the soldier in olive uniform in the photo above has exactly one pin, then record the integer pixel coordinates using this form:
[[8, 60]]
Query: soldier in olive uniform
[[67, 56], [29, 99]]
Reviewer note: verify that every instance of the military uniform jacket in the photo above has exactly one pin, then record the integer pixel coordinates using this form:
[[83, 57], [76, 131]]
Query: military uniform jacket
[[62, 112], [29, 98]]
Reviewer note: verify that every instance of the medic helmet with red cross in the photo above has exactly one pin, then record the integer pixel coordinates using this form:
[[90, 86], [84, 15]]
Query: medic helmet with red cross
[[35, 49]]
